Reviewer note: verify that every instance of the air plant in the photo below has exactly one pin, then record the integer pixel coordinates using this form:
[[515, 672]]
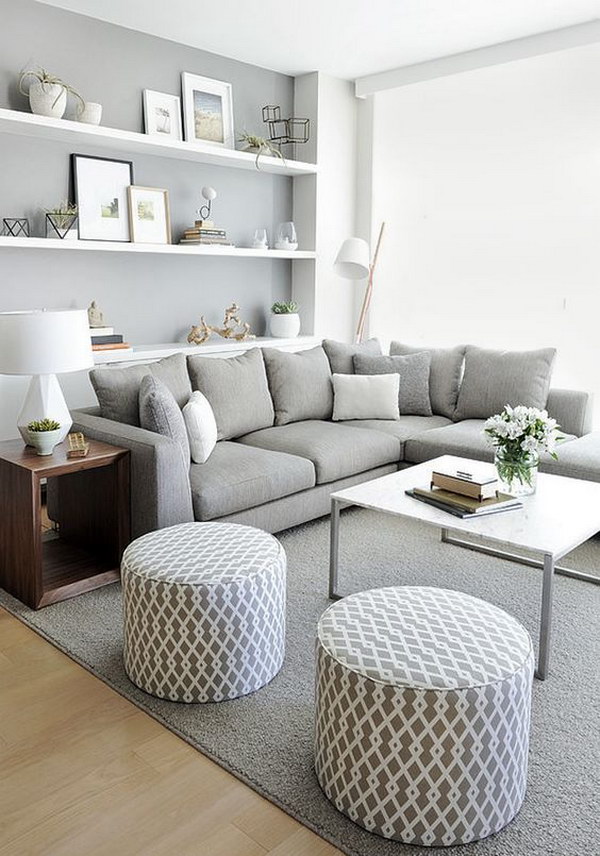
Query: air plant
[[63, 214], [262, 145], [47, 79]]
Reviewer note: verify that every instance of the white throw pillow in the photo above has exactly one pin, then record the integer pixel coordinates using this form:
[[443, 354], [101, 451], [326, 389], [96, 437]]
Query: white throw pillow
[[201, 427], [365, 396]]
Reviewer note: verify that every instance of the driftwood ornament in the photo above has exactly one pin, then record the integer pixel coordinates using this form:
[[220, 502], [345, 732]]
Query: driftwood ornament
[[232, 328]]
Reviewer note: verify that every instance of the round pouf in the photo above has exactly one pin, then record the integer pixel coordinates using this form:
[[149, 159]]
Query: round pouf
[[422, 713], [204, 611]]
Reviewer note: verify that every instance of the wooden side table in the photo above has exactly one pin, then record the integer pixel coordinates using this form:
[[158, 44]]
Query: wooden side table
[[92, 498]]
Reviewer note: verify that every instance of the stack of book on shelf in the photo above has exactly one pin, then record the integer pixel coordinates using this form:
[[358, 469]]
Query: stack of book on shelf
[[466, 494], [105, 339], [205, 232]]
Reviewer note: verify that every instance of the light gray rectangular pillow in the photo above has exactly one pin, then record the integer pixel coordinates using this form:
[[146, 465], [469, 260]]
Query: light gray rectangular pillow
[[340, 354], [159, 412], [413, 398], [117, 389], [493, 379], [237, 390], [444, 376], [300, 384]]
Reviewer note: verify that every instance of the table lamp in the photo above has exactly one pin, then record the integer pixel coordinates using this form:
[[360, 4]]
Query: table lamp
[[352, 262], [44, 343]]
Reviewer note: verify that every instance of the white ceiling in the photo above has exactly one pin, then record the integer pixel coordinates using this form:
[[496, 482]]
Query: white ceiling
[[346, 38]]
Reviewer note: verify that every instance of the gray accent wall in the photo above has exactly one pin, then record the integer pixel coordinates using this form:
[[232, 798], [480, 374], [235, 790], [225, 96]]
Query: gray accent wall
[[149, 298]]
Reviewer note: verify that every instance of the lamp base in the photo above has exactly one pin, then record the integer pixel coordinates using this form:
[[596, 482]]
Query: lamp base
[[44, 400]]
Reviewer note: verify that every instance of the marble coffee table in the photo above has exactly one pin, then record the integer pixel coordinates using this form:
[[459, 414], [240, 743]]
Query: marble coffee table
[[561, 515]]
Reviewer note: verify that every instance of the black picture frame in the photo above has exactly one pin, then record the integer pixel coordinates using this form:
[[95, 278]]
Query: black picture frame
[[84, 203]]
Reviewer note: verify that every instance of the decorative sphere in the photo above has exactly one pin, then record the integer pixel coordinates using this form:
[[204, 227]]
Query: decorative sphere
[[209, 193]]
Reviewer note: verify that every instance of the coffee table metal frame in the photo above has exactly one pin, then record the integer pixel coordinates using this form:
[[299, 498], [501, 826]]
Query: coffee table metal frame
[[547, 561]]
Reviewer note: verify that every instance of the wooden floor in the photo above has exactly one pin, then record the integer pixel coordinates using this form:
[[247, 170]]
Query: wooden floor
[[83, 772]]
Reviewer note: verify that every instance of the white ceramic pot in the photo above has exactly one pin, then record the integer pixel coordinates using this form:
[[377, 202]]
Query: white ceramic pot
[[47, 99], [44, 441], [285, 326], [91, 114]]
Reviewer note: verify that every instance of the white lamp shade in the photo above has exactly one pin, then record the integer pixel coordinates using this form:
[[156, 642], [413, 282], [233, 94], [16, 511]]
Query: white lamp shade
[[42, 342], [352, 261]]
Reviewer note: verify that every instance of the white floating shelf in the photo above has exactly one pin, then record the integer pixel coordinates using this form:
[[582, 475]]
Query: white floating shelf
[[172, 249], [79, 134], [214, 347]]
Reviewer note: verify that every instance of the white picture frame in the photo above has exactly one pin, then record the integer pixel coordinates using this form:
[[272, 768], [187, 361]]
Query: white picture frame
[[162, 115], [149, 215], [207, 110], [100, 186]]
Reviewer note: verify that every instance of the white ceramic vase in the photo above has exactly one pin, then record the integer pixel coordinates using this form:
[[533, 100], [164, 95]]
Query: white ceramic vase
[[285, 326], [91, 114], [47, 99], [44, 441]]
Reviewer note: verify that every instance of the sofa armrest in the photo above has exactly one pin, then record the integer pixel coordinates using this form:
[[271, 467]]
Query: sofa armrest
[[572, 409], [160, 483]]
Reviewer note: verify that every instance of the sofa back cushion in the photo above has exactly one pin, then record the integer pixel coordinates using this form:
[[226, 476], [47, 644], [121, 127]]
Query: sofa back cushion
[[237, 391], [413, 399], [493, 379], [444, 376], [341, 354], [117, 389], [159, 412], [300, 384]]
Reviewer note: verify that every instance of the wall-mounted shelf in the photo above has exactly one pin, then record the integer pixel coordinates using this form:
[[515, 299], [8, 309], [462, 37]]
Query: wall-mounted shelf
[[171, 249], [215, 347], [79, 134]]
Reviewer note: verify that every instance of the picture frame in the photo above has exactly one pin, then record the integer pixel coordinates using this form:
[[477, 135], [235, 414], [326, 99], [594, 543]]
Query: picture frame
[[100, 193], [149, 215], [207, 110], [162, 115]]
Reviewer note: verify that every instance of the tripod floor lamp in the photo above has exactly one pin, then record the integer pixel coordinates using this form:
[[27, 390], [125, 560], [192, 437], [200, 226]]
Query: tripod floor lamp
[[352, 262]]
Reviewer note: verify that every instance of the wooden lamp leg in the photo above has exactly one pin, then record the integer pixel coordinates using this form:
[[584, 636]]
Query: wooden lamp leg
[[369, 290]]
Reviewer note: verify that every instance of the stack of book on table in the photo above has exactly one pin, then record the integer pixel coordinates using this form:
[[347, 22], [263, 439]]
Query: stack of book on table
[[205, 232], [105, 339], [466, 494]]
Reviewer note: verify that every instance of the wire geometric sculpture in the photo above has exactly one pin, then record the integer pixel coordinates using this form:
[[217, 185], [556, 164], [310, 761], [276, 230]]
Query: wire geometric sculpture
[[15, 226], [284, 131]]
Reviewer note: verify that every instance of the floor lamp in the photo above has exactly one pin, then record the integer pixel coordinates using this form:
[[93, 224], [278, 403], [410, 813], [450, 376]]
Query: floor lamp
[[44, 343], [352, 262]]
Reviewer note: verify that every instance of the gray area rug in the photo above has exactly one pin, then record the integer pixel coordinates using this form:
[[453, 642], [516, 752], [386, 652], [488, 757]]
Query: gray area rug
[[265, 739]]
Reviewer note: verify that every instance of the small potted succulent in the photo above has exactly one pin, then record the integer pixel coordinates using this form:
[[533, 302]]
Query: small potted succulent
[[43, 435], [48, 93], [61, 221], [285, 321]]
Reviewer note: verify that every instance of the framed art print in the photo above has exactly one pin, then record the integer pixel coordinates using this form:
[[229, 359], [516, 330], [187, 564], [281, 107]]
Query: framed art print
[[149, 215], [162, 115], [100, 186], [207, 110]]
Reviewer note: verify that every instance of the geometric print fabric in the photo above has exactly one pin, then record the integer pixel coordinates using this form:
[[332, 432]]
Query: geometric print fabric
[[428, 766], [202, 630]]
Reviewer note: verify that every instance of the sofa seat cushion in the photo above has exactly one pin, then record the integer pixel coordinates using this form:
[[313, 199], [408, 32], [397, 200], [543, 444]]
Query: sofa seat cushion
[[237, 477], [579, 459], [403, 428], [464, 439], [336, 450]]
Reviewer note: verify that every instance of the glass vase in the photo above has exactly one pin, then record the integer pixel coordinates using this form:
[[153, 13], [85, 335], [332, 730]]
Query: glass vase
[[517, 474]]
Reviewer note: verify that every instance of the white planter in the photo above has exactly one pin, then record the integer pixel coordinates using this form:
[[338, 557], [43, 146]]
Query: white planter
[[44, 441], [285, 326], [91, 114], [47, 99]]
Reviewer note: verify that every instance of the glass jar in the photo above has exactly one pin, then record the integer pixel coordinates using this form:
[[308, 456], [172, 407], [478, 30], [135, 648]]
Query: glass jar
[[517, 474], [286, 237]]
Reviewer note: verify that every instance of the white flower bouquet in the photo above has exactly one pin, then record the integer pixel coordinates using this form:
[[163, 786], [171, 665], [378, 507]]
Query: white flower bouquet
[[519, 435]]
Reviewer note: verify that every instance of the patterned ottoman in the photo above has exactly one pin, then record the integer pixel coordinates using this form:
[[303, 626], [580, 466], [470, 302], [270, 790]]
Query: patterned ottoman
[[422, 717], [204, 610]]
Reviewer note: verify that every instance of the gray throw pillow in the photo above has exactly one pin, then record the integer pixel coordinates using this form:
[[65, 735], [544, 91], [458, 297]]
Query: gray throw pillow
[[159, 412], [340, 354], [493, 379], [444, 376], [300, 384], [237, 391], [413, 399], [117, 389]]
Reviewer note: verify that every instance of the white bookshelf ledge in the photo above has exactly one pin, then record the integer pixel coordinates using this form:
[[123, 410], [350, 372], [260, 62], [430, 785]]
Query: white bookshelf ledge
[[215, 347]]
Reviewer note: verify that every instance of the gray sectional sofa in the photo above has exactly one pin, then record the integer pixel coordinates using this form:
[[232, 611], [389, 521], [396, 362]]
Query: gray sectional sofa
[[279, 455]]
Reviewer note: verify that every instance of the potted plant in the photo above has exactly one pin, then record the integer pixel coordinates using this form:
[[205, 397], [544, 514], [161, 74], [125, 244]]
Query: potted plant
[[61, 221], [519, 435], [48, 93], [259, 146], [43, 435], [285, 321]]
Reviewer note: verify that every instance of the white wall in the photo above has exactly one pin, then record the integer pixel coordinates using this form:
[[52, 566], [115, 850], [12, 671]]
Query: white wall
[[490, 185]]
